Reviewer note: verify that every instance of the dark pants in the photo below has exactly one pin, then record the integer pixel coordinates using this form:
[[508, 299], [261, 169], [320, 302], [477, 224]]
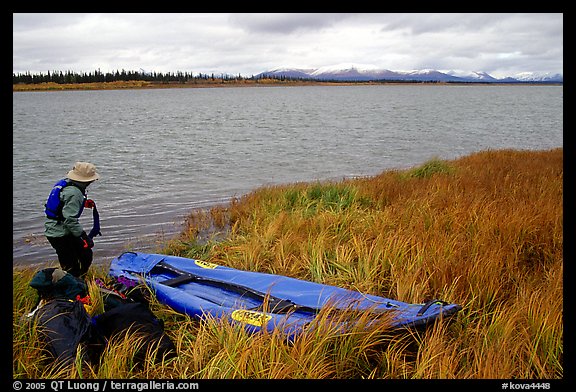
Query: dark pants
[[72, 255]]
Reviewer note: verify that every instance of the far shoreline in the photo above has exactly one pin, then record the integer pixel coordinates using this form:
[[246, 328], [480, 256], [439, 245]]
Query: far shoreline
[[219, 83]]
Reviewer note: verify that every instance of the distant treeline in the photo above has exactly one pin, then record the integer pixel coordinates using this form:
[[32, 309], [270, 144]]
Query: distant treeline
[[70, 77], [98, 76]]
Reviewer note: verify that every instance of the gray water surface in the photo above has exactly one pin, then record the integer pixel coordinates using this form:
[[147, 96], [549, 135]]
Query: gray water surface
[[162, 153]]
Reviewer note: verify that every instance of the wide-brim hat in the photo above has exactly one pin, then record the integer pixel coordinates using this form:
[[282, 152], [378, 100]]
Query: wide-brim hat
[[83, 172]]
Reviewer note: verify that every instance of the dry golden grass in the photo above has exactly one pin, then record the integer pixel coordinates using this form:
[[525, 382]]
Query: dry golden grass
[[484, 231], [52, 86], [195, 83]]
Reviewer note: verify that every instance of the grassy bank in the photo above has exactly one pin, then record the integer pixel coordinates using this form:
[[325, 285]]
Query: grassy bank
[[484, 231], [219, 82], [207, 83]]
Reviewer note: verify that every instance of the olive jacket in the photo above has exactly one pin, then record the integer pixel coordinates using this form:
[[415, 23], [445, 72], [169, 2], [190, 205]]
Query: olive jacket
[[73, 196]]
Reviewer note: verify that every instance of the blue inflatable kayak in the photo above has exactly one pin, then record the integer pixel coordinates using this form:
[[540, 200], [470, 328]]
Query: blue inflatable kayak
[[259, 300]]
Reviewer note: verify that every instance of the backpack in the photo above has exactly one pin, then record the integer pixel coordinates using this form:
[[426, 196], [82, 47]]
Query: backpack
[[62, 320], [54, 283], [63, 325], [53, 205], [136, 318]]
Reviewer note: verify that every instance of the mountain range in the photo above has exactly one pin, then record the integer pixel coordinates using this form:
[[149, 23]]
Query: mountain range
[[359, 73]]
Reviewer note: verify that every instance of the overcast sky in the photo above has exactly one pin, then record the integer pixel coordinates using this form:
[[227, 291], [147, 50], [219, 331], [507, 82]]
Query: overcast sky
[[247, 44]]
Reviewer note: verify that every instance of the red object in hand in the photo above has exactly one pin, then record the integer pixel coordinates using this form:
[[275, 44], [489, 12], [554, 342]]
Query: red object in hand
[[89, 203]]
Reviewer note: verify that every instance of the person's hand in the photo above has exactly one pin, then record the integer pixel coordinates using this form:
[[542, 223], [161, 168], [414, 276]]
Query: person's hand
[[87, 241], [89, 203]]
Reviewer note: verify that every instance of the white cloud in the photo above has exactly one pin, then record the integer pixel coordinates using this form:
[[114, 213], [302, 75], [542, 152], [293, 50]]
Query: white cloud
[[252, 43]]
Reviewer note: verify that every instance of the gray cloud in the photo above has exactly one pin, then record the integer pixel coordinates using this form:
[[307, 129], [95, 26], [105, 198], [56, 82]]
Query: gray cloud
[[285, 23], [252, 43]]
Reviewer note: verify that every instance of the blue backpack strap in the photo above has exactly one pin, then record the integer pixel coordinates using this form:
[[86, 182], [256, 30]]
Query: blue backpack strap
[[53, 205]]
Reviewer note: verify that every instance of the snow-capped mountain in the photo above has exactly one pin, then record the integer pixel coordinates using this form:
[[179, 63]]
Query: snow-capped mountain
[[290, 72], [472, 75], [346, 71], [357, 72], [538, 77]]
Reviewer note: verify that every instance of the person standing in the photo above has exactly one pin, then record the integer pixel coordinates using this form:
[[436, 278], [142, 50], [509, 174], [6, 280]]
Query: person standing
[[62, 226]]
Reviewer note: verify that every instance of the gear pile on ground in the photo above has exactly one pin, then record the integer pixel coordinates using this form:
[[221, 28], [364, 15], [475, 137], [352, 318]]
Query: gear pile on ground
[[64, 323]]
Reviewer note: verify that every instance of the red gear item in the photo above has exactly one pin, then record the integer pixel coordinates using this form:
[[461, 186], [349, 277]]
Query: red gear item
[[85, 300]]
